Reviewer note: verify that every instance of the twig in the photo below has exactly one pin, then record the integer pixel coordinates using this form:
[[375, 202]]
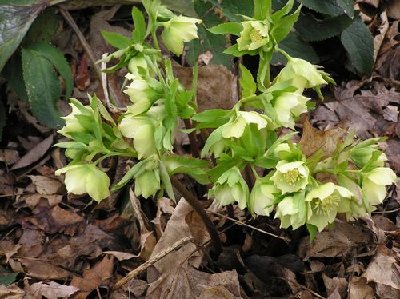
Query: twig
[[238, 222], [193, 201], [131, 275]]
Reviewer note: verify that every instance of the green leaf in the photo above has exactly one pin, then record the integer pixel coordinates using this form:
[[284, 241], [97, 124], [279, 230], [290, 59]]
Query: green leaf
[[312, 29], [262, 8], [227, 28], [42, 86], [331, 7], [359, 44], [283, 11], [166, 180], [3, 116], [59, 62], [247, 83], [15, 19], [116, 40], [196, 168], [134, 171], [282, 27], [7, 278], [185, 7], [139, 32], [312, 230], [212, 118], [232, 10], [13, 73]]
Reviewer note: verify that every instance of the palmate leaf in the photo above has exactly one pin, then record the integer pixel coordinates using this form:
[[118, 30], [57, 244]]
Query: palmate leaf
[[42, 86], [331, 7]]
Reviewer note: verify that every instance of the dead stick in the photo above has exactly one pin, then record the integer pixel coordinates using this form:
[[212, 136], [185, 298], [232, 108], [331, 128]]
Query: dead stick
[[131, 275], [194, 202]]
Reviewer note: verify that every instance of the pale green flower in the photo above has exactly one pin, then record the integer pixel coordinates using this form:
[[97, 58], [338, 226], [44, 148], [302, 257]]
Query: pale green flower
[[178, 30], [290, 176], [292, 211], [138, 66], [262, 197], [141, 129], [72, 124], [86, 178], [323, 204], [147, 183], [229, 188], [255, 34], [289, 106], [374, 186], [303, 74], [236, 127], [141, 94]]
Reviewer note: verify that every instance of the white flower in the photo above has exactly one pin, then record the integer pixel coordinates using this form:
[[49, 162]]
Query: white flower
[[323, 204], [86, 178], [290, 176], [178, 30], [255, 34], [292, 211], [262, 197], [289, 106], [72, 123], [236, 127]]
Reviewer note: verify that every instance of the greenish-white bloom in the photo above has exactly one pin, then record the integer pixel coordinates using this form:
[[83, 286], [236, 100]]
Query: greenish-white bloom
[[229, 188], [361, 155], [255, 34], [324, 202], [302, 73], [141, 94], [292, 211], [262, 197], [374, 186], [72, 124], [236, 127], [86, 178], [141, 129], [290, 177], [138, 66], [178, 30], [288, 107], [147, 183]]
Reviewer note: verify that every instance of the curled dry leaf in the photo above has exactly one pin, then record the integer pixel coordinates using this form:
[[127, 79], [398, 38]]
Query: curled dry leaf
[[51, 290], [46, 185], [11, 292], [359, 289], [44, 269]]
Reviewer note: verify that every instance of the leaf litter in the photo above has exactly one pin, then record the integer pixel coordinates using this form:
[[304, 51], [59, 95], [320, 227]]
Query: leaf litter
[[66, 246]]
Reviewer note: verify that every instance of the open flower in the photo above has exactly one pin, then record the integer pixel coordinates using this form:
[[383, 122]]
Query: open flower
[[374, 186], [86, 178], [262, 197], [141, 129], [253, 36], [178, 30], [292, 211], [75, 125], [289, 106], [141, 94], [324, 202], [303, 74], [236, 127], [290, 176], [229, 188]]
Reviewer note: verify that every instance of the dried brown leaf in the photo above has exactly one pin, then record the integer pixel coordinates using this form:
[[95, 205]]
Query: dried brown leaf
[[11, 292], [31, 243], [46, 185], [35, 153], [359, 289], [51, 290], [44, 270], [9, 156]]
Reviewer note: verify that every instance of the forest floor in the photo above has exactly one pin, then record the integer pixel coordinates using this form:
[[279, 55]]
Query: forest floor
[[57, 245]]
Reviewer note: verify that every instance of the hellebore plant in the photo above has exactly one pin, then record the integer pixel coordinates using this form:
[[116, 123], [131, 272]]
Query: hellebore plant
[[246, 158]]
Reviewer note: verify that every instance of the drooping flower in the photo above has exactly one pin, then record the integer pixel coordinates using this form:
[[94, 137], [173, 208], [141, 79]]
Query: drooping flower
[[236, 127], [289, 106], [262, 197], [255, 34], [178, 30], [147, 183], [138, 66], [363, 152], [229, 188], [290, 177], [86, 178], [141, 129], [374, 186], [323, 204], [303, 74], [292, 211]]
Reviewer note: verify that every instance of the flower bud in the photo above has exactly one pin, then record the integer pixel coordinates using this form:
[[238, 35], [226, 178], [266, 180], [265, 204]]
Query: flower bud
[[289, 106]]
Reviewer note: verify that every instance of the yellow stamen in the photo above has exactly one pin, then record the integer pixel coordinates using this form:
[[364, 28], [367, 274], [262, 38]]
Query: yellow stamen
[[255, 36], [291, 177]]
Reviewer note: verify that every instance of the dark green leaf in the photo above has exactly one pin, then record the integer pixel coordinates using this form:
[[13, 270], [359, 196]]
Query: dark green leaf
[[13, 73], [15, 19], [7, 278], [233, 10], [185, 7], [139, 32], [359, 44], [42, 86], [116, 40], [59, 62], [43, 28], [331, 7], [312, 29]]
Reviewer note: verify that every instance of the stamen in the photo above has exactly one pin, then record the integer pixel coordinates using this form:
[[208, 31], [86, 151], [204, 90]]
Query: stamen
[[291, 177]]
